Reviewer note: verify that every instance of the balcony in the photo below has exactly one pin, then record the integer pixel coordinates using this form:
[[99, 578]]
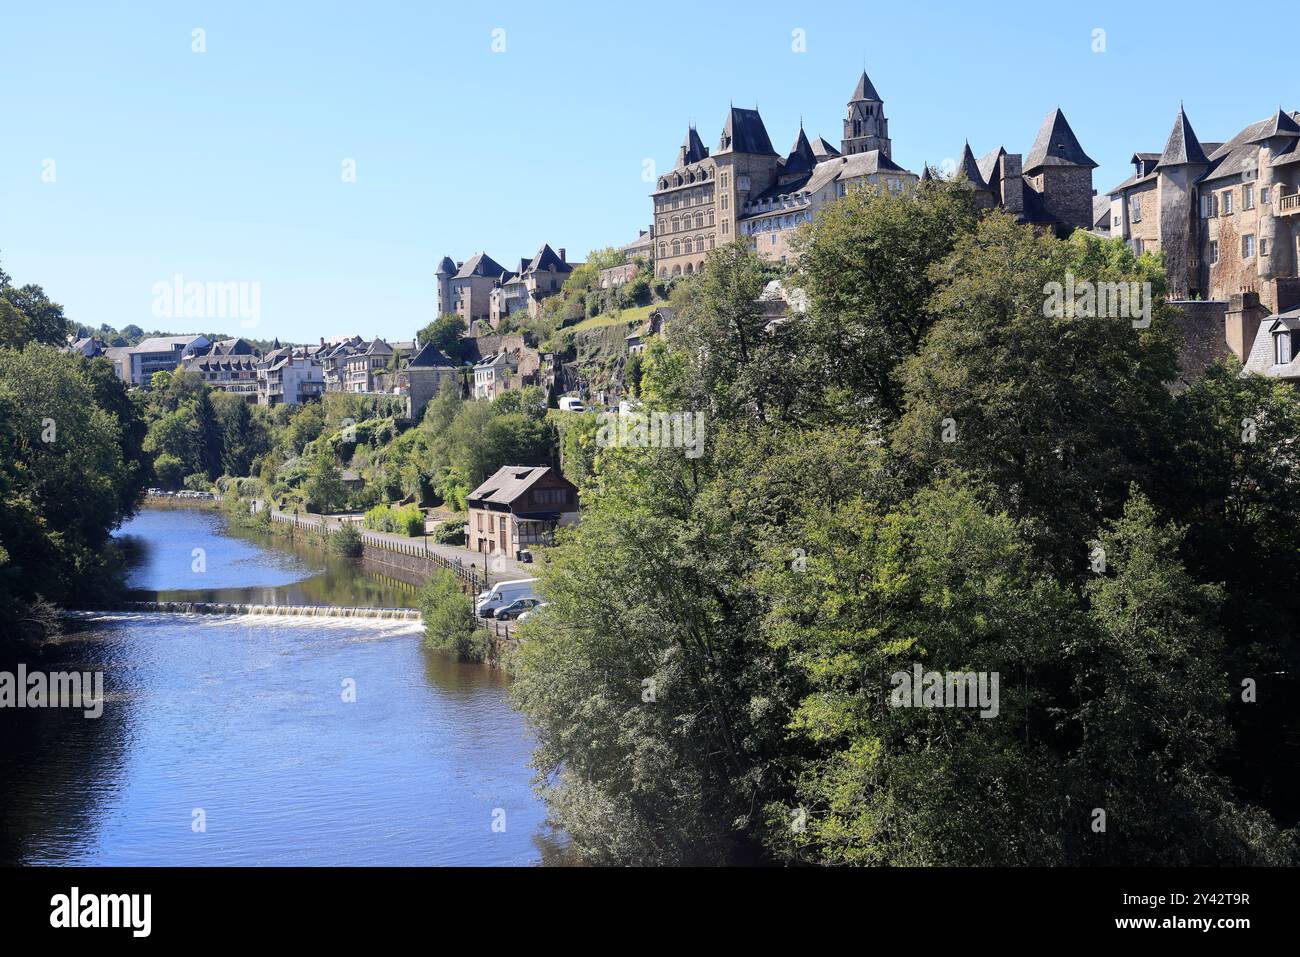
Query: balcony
[[1287, 205]]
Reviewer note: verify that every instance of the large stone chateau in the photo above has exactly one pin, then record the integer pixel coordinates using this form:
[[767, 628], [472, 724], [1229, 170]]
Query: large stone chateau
[[745, 189]]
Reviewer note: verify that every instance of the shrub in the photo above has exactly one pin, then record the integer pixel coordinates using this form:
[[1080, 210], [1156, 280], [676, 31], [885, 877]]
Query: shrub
[[409, 521], [449, 619], [346, 541], [169, 470], [197, 482], [451, 532]]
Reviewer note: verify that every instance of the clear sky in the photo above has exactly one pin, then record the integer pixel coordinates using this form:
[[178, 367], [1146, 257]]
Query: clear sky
[[228, 165]]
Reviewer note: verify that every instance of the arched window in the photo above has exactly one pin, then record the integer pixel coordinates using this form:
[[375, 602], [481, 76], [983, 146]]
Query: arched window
[[710, 217], [677, 247], [677, 224], [688, 244], [677, 270], [699, 220], [689, 268], [710, 240], [663, 250], [663, 272]]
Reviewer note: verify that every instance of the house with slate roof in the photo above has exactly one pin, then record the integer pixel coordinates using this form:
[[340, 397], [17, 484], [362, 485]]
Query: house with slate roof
[[519, 506], [1226, 214], [522, 291], [466, 289]]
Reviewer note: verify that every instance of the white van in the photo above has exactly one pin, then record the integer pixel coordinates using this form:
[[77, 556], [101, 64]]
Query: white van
[[571, 403], [502, 594]]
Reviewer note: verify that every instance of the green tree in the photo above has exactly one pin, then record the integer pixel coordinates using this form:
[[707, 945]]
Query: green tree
[[448, 616], [446, 333], [866, 264], [324, 490]]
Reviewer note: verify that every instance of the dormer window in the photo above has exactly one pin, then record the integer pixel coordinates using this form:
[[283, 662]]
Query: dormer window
[[1284, 347]]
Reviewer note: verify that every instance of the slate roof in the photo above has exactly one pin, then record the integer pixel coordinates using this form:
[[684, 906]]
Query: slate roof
[[1241, 152], [480, 265], [988, 164], [865, 90], [822, 149], [1101, 212], [164, 343], [829, 171], [1280, 125], [429, 357], [1057, 145], [1182, 147], [508, 483], [744, 132], [446, 267], [693, 149], [546, 258], [1262, 354], [970, 168], [802, 158]]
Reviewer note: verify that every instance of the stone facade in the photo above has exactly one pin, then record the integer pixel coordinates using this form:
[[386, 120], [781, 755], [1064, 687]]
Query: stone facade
[[744, 189], [1050, 188], [1226, 215]]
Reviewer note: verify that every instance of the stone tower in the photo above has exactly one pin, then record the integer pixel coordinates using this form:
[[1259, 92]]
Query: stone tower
[[1060, 172], [446, 269], [865, 127], [1277, 138], [1181, 164]]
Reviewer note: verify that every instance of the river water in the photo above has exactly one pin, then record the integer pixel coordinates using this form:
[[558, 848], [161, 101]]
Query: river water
[[230, 740]]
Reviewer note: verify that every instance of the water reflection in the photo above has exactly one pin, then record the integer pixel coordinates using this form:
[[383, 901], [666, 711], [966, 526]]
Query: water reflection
[[247, 718]]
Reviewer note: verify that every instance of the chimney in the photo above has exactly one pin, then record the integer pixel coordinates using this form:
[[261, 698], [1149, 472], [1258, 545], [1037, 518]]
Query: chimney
[[563, 257]]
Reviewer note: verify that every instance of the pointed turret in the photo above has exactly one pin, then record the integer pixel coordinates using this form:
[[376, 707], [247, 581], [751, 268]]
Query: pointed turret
[[802, 158], [1182, 148], [865, 90], [446, 267], [693, 149], [865, 126], [1056, 145], [968, 167], [744, 132]]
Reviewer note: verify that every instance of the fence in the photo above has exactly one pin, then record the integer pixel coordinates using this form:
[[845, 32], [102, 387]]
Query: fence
[[413, 549]]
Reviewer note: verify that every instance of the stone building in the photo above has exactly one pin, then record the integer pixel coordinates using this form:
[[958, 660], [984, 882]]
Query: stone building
[[1050, 188], [466, 290], [428, 372], [1226, 215], [517, 507], [745, 189], [523, 291]]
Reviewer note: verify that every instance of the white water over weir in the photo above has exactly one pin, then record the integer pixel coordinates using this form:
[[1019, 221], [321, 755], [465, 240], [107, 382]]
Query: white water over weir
[[233, 608]]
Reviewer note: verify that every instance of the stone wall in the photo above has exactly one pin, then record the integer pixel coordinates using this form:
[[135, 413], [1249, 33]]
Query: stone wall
[[1201, 325]]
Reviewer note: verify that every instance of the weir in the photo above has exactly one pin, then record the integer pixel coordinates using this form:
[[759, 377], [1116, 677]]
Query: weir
[[234, 608]]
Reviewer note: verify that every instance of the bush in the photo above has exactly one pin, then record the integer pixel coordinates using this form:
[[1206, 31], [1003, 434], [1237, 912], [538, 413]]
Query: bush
[[409, 521], [449, 619], [380, 518], [451, 532], [346, 541], [197, 482]]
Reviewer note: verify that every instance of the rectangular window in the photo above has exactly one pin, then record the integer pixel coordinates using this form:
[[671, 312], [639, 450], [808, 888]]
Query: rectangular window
[[1266, 195], [1248, 246], [1227, 202], [1248, 197], [1263, 247], [1138, 247], [1283, 348], [1135, 209], [1205, 207], [1214, 252]]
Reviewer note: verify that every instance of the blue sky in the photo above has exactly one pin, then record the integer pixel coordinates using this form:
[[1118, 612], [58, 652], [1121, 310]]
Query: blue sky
[[226, 166]]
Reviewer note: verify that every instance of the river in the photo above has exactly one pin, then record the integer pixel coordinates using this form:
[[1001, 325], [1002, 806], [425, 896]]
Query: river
[[255, 740]]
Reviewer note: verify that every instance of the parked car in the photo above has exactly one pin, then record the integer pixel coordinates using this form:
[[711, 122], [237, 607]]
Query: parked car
[[519, 606], [502, 594], [532, 611]]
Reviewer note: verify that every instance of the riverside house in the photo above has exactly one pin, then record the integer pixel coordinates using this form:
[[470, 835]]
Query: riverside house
[[519, 506]]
